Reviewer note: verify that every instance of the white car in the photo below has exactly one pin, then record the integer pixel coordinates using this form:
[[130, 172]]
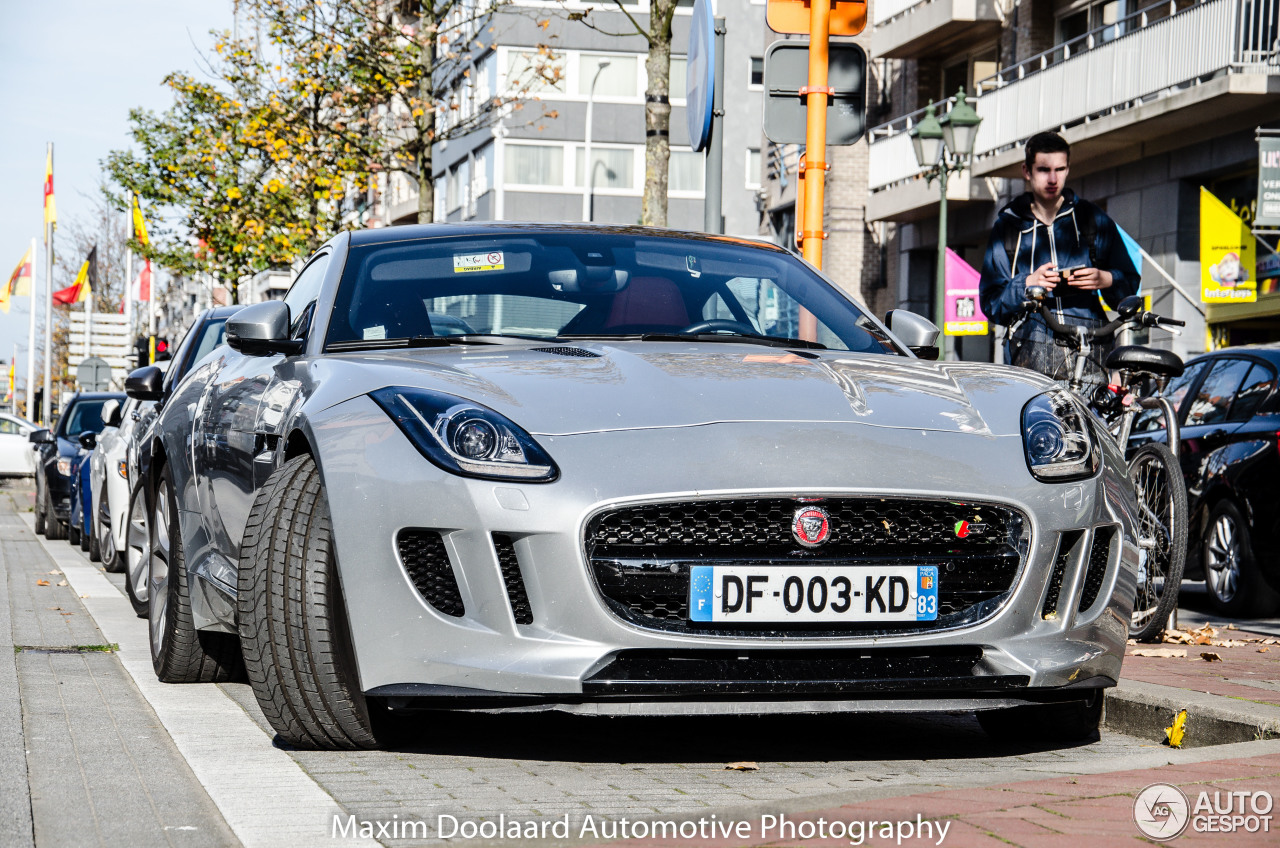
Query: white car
[[16, 455], [109, 483]]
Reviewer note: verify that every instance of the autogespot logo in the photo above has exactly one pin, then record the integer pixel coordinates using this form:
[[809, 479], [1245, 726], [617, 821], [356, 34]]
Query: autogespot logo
[[1161, 811]]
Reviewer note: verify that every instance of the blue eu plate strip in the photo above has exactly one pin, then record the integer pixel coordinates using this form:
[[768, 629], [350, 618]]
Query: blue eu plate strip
[[701, 581]]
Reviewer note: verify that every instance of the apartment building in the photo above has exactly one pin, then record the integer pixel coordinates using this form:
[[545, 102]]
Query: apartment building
[[530, 165], [1157, 100]]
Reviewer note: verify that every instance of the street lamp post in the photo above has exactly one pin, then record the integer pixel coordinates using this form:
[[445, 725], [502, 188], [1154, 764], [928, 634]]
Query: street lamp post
[[942, 146], [586, 144]]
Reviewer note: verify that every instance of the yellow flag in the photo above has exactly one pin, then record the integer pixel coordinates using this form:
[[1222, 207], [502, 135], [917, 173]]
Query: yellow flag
[[139, 225], [1228, 254], [50, 202], [19, 282]]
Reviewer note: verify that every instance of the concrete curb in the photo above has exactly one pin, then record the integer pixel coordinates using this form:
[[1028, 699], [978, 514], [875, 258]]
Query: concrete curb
[[1144, 710]]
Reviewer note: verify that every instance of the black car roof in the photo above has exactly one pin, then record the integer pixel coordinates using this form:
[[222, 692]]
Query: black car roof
[[95, 396], [1269, 352], [406, 232]]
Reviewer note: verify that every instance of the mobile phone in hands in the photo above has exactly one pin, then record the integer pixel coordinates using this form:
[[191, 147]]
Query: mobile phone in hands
[[1065, 273]]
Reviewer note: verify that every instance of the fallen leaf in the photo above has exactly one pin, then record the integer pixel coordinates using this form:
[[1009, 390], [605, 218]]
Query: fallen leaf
[[743, 766], [55, 571], [62, 583], [1159, 652], [1174, 733], [55, 609], [1201, 639], [1232, 627], [66, 613], [42, 582], [1263, 650], [1210, 656]]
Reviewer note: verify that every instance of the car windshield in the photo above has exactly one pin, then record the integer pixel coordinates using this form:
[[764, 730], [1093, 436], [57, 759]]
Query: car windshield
[[84, 415], [598, 284]]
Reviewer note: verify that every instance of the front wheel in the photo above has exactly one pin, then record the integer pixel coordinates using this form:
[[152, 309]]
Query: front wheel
[[1162, 538], [1236, 586], [137, 553], [293, 623], [112, 559], [179, 652]]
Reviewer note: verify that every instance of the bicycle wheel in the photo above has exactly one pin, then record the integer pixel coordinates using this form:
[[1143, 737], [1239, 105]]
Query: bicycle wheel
[[1162, 535]]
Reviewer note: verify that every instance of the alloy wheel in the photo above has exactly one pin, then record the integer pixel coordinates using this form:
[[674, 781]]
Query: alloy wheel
[[138, 550], [158, 569], [1222, 565]]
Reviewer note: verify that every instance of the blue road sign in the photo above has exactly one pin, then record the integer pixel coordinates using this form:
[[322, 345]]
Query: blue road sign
[[701, 75]]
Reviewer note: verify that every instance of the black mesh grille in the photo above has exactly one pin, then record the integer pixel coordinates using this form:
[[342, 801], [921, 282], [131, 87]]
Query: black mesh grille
[[1066, 544], [516, 594], [1099, 558], [641, 555], [568, 351], [427, 563]]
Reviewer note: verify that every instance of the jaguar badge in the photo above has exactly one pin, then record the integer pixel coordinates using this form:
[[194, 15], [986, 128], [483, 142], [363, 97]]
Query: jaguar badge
[[811, 526]]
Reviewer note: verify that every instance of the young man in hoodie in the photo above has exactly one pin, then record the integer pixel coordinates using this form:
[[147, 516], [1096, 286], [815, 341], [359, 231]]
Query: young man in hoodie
[[1049, 237]]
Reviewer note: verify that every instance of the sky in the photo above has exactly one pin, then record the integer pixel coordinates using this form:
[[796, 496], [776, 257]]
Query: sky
[[70, 71]]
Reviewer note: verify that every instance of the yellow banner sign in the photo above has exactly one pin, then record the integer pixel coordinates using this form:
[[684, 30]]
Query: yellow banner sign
[[1228, 254]]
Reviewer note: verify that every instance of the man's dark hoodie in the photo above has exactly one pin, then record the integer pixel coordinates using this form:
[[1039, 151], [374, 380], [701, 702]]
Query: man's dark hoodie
[[1064, 245]]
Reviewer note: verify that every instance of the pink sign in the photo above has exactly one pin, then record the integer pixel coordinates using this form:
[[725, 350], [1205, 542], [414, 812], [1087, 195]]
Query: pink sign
[[963, 312]]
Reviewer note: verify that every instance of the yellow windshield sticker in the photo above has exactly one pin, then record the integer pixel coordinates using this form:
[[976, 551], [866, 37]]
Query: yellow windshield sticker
[[464, 263]]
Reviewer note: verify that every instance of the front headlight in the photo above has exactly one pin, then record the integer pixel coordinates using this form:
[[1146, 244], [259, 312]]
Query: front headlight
[[1057, 438], [466, 438], [64, 466]]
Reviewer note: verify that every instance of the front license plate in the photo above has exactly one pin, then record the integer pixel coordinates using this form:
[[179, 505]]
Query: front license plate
[[743, 593]]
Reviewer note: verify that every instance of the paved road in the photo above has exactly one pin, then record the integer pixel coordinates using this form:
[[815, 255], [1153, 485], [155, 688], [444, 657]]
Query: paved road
[[112, 757]]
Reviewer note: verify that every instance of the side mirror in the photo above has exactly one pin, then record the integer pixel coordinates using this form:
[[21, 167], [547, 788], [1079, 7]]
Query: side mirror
[[112, 413], [41, 437], [262, 329], [88, 440], [918, 333], [145, 383]]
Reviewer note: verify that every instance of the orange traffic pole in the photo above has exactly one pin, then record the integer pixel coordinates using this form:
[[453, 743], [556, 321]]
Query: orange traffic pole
[[815, 161]]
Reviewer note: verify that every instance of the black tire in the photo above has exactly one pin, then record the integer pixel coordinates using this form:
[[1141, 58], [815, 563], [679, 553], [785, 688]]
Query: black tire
[[1069, 722], [137, 552], [73, 534], [1236, 587], [1162, 533], [53, 528], [90, 540], [179, 652], [112, 559], [293, 622], [40, 513]]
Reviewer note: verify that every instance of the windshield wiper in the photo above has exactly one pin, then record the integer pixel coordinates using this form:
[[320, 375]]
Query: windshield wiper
[[737, 338], [415, 341]]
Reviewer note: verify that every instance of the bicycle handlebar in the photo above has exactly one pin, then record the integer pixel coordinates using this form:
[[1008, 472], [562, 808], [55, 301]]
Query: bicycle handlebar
[[1146, 319]]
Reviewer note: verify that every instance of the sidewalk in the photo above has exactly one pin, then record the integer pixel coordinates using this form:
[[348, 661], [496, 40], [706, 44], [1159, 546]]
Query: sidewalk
[[83, 758]]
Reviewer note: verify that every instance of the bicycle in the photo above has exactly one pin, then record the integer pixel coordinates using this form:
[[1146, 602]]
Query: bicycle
[[1153, 467]]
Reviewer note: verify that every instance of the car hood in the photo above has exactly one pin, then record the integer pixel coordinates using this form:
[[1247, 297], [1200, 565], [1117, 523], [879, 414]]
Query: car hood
[[596, 387]]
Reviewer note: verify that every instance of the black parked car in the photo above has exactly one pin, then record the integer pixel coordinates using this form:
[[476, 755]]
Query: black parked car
[[1230, 414], [55, 450]]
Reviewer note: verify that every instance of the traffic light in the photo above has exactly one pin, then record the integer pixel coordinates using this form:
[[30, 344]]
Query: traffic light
[[142, 348]]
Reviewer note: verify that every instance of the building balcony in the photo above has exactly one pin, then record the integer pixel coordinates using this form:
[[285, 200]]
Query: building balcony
[[1149, 83], [909, 29]]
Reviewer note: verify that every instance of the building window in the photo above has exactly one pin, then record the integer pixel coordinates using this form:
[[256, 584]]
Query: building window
[[618, 79], [1082, 18], [534, 164], [756, 78], [753, 167], [612, 167], [686, 172], [535, 73]]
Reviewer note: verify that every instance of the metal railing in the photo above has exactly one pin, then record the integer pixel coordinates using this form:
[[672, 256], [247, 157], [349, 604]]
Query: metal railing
[[1110, 69]]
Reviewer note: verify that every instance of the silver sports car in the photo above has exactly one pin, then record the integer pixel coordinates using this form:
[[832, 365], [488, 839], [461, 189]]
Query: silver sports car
[[659, 474]]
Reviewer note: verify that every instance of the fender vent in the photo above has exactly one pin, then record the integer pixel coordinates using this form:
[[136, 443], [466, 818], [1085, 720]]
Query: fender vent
[[1099, 559], [1066, 545], [510, 565], [427, 563], [568, 351]]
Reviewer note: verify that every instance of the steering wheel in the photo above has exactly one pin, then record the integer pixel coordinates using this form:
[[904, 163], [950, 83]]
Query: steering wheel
[[718, 324]]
